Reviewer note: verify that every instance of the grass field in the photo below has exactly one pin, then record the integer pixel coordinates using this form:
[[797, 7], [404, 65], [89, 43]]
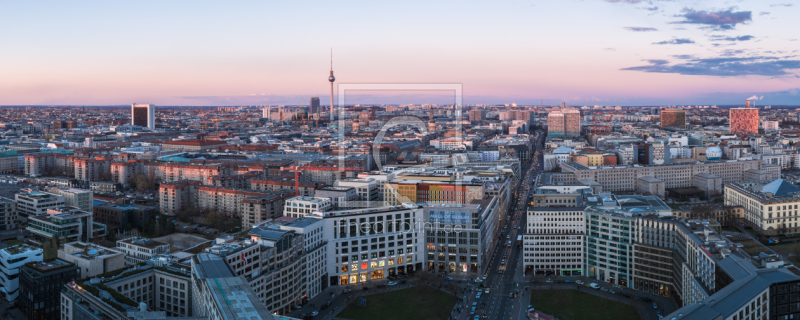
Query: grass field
[[419, 303], [576, 305], [12, 242]]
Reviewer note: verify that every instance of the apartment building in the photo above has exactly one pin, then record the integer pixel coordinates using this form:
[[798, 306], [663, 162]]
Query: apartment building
[[91, 169], [8, 214], [193, 145], [553, 240], [138, 249], [770, 208], [374, 243], [467, 250], [35, 203], [276, 184], [259, 209], [14, 257], [623, 178]]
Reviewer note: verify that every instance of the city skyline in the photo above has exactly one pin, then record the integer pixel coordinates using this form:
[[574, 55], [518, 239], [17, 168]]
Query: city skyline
[[610, 52]]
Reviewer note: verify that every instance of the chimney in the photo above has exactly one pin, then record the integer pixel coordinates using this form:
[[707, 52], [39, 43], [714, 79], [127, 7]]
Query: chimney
[[747, 103]]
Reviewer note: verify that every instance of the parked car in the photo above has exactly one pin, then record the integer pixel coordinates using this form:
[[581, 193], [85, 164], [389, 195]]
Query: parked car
[[594, 285], [487, 290], [392, 283], [314, 313], [655, 306], [568, 281]]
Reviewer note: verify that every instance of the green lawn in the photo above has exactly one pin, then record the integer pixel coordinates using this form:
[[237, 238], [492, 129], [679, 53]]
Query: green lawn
[[577, 305], [12, 242], [419, 303]]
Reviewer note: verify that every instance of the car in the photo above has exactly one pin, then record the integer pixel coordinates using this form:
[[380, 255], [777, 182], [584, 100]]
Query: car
[[578, 282], [298, 307], [658, 313], [346, 290], [640, 298], [447, 278], [500, 272], [568, 281], [549, 280], [483, 305], [647, 300], [655, 306], [475, 304], [314, 313], [472, 311], [485, 276], [477, 317], [323, 307], [392, 283], [503, 261], [487, 290], [594, 285], [511, 295], [604, 289], [612, 291], [478, 280]]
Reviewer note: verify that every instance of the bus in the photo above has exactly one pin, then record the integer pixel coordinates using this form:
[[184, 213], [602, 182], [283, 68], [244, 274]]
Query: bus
[[519, 241]]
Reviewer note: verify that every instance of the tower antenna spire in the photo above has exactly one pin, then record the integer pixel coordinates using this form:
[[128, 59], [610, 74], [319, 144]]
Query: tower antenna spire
[[331, 59]]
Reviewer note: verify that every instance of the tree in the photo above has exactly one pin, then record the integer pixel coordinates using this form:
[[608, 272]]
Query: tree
[[214, 218], [142, 182]]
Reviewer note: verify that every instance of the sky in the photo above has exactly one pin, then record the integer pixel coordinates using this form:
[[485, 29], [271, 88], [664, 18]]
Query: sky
[[589, 52]]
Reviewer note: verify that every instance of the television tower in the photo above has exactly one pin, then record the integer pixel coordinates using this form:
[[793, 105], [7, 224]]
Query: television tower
[[332, 79]]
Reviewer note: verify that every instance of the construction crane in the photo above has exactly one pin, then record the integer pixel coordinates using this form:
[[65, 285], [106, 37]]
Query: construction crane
[[296, 170]]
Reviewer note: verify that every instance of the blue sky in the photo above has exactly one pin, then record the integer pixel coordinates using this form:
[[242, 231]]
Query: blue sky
[[587, 52]]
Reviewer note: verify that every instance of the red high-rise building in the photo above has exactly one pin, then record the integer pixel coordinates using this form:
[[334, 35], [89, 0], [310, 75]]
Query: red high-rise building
[[744, 121]]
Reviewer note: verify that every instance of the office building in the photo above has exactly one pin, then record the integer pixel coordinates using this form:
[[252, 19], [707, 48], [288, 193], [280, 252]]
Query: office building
[[314, 106], [374, 243], [477, 115], [769, 207], [367, 191], [304, 206], [214, 286], [555, 124], [14, 257], [40, 286], [572, 122], [143, 115], [138, 249], [92, 259], [35, 203], [67, 224], [8, 214], [79, 198], [553, 240], [676, 175], [466, 251], [747, 292], [673, 118], [138, 292], [272, 261], [341, 197], [743, 121]]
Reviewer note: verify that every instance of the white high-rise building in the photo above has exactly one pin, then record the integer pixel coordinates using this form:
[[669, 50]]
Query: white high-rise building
[[143, 115]]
